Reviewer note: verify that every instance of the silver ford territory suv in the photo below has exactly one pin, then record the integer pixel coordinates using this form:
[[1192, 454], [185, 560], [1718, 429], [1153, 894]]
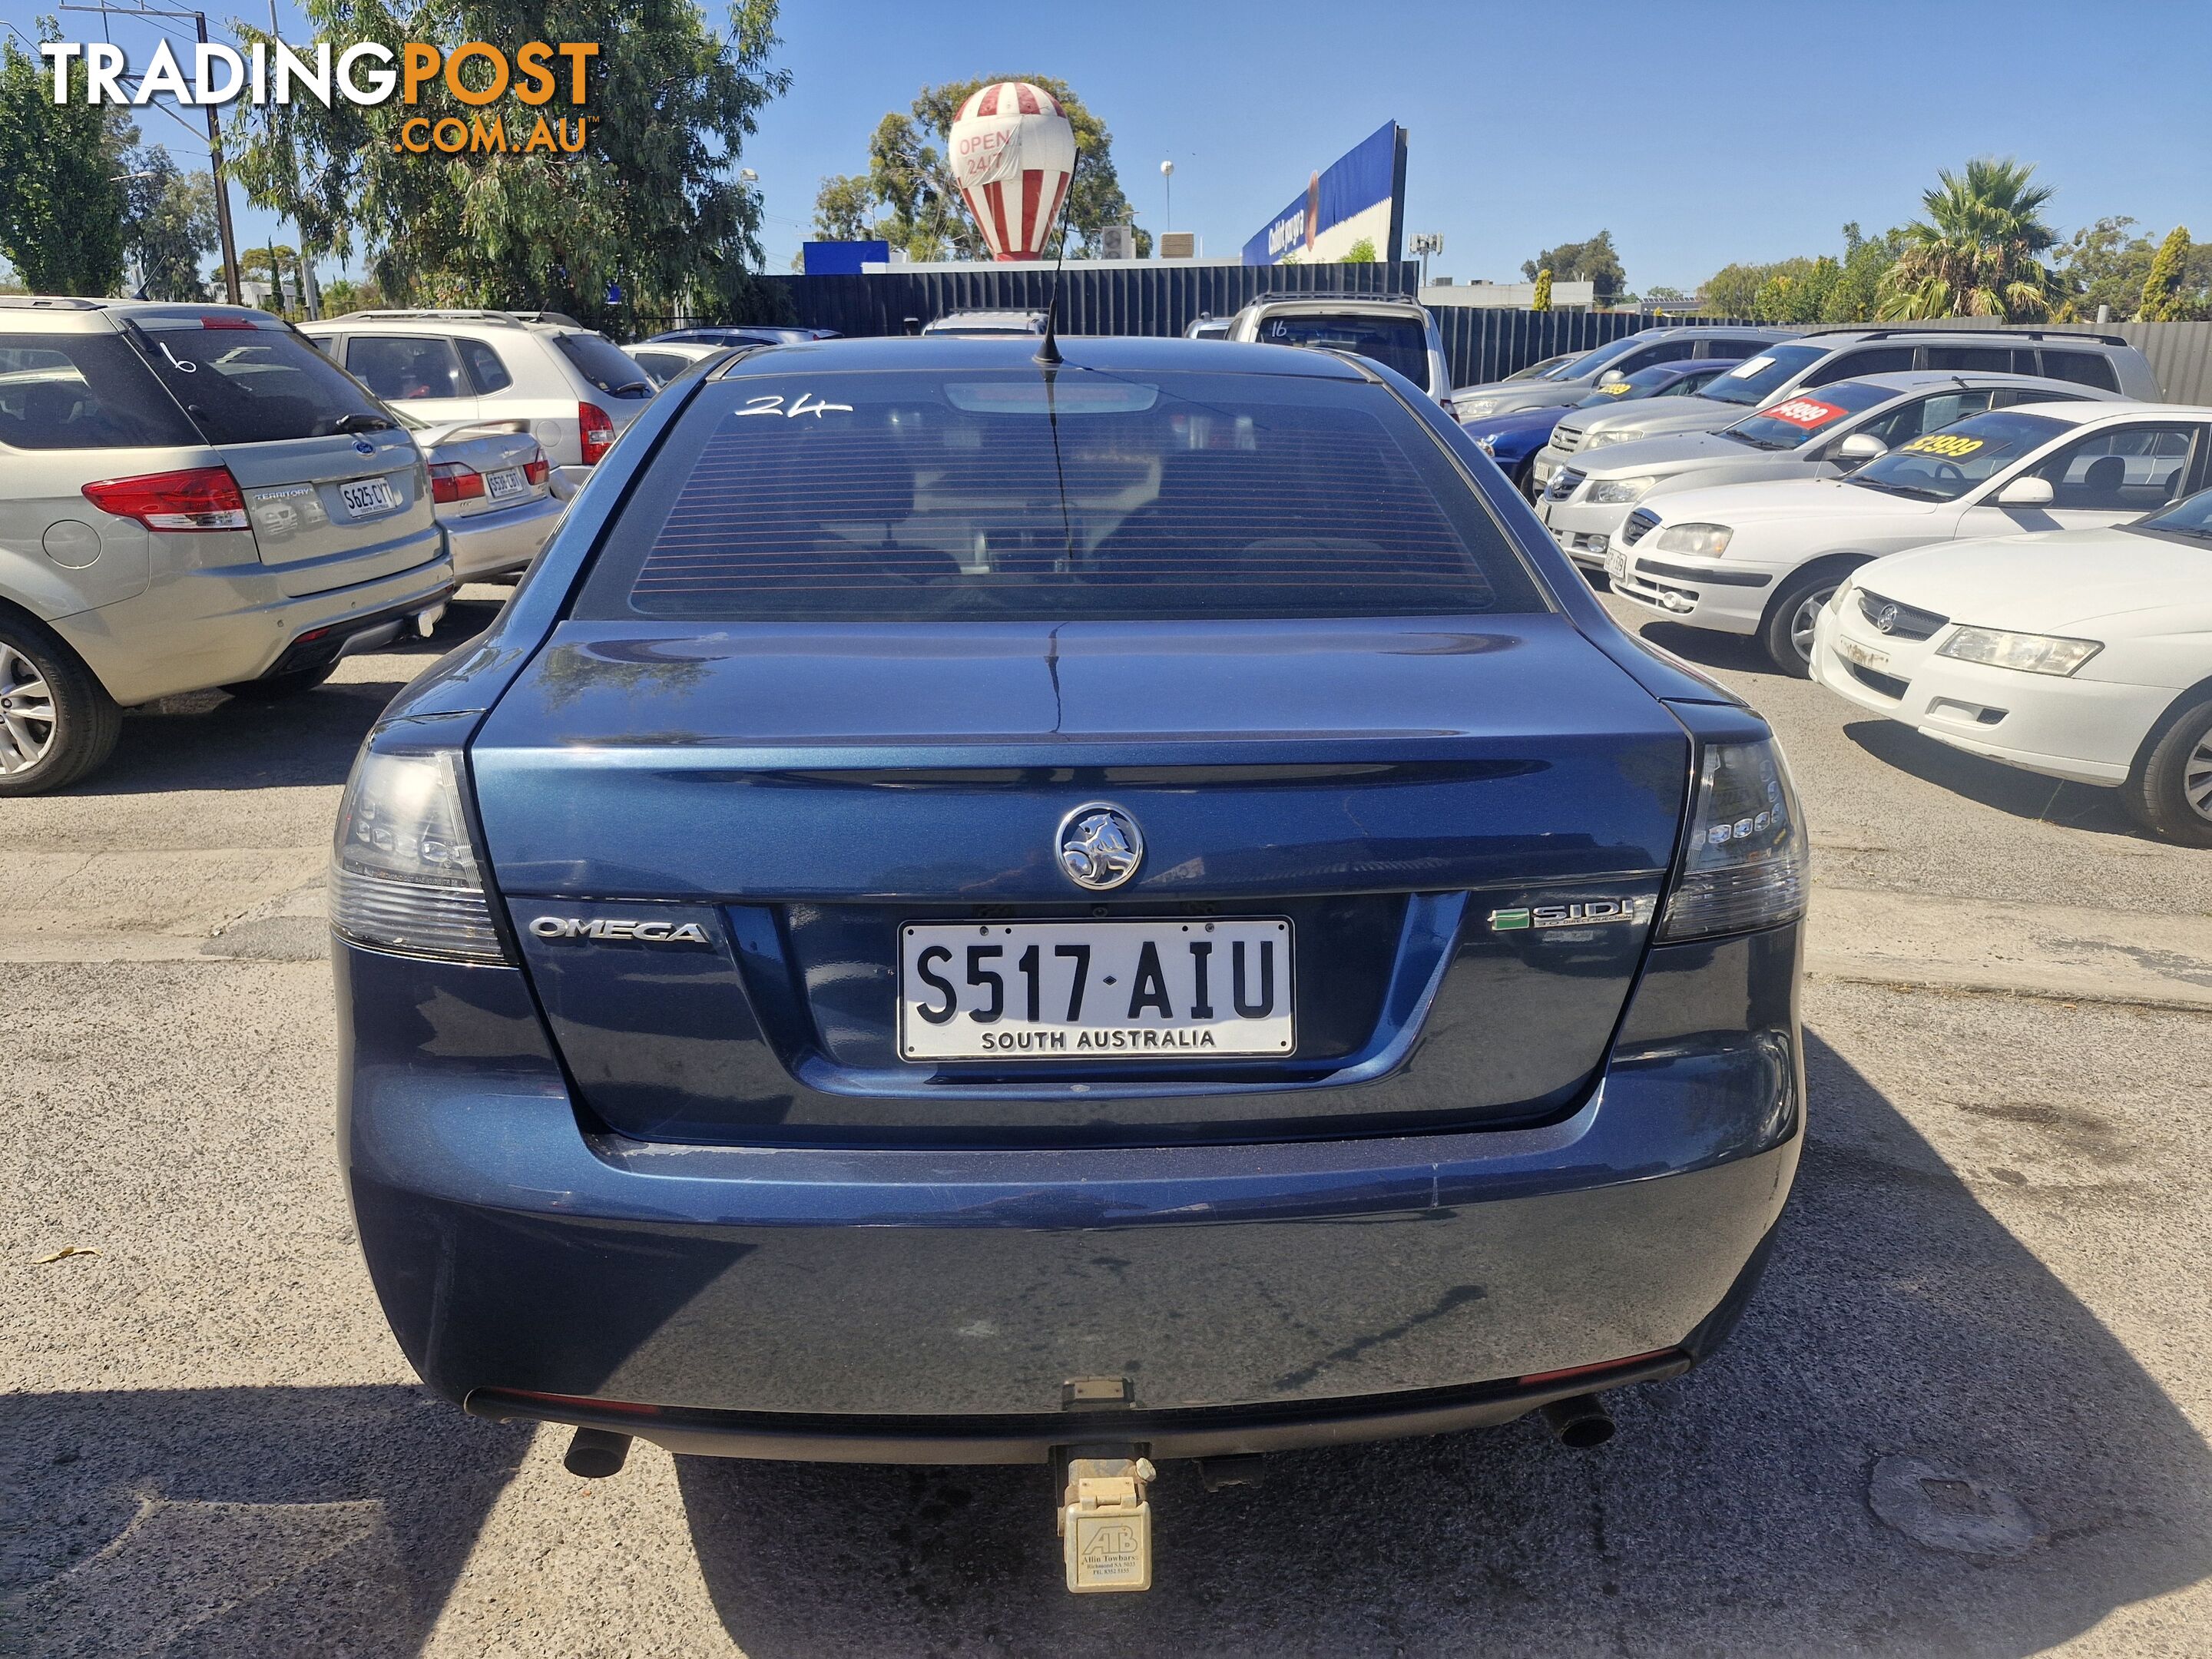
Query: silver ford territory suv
[[190, 496]]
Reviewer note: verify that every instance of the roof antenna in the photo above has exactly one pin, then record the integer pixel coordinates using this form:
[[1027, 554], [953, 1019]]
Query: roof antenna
[[1047, 351]]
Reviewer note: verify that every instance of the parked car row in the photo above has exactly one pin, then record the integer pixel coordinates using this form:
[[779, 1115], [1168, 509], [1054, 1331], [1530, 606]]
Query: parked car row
[[200, 497], [1999, 540]]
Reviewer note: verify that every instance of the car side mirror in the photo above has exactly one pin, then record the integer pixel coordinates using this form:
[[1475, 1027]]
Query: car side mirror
[[1611, 377], [1859, 447], [2026, 492]]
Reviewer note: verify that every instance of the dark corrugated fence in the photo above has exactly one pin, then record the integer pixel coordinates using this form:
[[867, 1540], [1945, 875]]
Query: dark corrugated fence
[[1479, 344]]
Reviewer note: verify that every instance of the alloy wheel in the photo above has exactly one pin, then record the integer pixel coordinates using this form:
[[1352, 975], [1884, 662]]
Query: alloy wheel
[[27, 712], [1802, 619], [2197, 777]]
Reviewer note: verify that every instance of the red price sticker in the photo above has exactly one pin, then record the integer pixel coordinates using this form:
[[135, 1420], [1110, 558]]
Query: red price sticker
[[1807, 412]]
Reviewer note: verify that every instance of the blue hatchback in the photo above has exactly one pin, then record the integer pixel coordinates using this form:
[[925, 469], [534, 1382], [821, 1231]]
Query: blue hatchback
[[970, 906], [1512, 440]]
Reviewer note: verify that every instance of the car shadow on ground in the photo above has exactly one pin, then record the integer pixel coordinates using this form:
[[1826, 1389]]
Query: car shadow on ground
[[210, 740], [222, 1522], [2007, 788], [1732, 1513], [1738, 652]]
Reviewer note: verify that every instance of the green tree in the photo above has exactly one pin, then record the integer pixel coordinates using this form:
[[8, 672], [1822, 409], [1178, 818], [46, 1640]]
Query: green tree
[[270, 265], [1805, 289], [1594, 262], [1977, 252], [2103, 265], [342, 294], [1541, 300], [61, 203], [651, 201], [1361, 253], [845, 210], [168, 224], [2163, 299]]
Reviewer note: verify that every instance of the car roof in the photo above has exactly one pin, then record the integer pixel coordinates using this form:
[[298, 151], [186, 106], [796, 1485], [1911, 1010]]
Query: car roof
[[1395, 305], [1139, 354], [66, 304], [1854, 333], [1919, 379], [416, 321], [2083, 411]]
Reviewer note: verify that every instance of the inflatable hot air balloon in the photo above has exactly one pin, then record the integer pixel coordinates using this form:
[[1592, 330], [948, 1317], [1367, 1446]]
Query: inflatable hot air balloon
[[1014, 152]]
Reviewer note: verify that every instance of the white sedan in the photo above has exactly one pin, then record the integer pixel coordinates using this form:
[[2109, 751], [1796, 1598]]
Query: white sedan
[[2084, 654], [1761, 559]]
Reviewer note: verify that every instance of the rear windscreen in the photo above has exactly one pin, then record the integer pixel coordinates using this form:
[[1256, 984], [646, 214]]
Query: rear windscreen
[[84, 391], [253, 385], [609, 368], [1399, 343], [1079, 495]]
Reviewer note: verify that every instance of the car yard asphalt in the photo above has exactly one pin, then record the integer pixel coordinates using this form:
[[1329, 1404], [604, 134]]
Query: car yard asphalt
[[1965, 1416]]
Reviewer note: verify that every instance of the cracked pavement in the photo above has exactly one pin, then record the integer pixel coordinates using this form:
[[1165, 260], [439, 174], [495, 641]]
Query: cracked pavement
[[1993, 1278]]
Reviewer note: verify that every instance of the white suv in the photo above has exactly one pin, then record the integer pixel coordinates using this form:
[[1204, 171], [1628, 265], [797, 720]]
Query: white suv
[[572, 390], [1397, 332]]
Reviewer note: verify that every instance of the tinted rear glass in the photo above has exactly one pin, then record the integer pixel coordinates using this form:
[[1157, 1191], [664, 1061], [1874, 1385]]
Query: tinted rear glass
[[2088, 367], [251, 385], [84, 391], [1750, 382], [898, 496], [612, 370], [1399, 343]]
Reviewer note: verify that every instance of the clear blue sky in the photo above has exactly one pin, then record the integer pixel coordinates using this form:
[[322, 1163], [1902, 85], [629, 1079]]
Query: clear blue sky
[[1699, 134]]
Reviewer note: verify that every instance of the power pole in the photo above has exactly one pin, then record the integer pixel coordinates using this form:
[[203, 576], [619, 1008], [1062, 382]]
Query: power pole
[[214, 133], [221, 191]]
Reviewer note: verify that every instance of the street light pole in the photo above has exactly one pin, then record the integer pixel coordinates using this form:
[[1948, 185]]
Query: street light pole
[[1167, 177]]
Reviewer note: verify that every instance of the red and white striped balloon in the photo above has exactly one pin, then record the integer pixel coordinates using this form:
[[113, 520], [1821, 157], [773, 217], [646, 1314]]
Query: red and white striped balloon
[[1014, 152]]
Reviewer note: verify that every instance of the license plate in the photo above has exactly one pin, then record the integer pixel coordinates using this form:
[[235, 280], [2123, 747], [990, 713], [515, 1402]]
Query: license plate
[[1616, 564], [369, 496], [508, 480], [1864, 656], [1095, 990], [1543, 506]]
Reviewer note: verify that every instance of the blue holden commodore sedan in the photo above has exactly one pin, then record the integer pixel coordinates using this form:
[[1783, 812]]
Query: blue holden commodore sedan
[[977, 905]]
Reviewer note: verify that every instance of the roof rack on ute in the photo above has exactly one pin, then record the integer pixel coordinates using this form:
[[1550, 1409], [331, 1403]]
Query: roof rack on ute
[[48, 302], [1995, 328]]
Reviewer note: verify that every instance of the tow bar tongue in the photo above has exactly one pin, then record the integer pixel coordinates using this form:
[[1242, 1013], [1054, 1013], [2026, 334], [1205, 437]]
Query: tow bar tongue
[[1105, 1521]]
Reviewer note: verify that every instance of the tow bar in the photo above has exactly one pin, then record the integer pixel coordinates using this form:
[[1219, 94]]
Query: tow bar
[[1105, 1521]]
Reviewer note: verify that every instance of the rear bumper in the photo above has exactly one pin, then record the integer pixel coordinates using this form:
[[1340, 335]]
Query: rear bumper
[[831, 1302], [197, 628], [507, 538]]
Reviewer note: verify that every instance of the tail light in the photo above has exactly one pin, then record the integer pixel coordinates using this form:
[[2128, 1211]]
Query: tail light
[[597, 429], [538, 470], [452, 482], [1747, 864], [404, 875], [203, 498]]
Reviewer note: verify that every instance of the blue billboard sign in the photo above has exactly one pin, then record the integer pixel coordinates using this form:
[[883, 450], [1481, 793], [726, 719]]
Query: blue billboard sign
[[1359, 197]]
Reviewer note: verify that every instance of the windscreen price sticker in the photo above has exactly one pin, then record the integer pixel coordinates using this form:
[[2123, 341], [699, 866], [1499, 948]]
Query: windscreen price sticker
[[1807, 412], [1943, 443]]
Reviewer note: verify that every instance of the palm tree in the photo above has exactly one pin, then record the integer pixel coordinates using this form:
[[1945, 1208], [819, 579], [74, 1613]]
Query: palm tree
[[1975, 255]]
